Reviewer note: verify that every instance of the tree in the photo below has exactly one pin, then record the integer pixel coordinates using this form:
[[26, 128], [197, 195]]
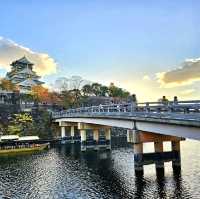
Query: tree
[[42, 124], [115, 91], [21, 124], [25, 124], [40, 94], [7, 85], [61, 84], [66, 99], [104, 91], [26, 97], [87, 90], [76, 97], [54, 98], [96, 89], [75, 82]]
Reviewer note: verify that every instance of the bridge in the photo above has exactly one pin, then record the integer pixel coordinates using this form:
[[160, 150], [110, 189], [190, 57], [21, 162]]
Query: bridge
[[145, 122]]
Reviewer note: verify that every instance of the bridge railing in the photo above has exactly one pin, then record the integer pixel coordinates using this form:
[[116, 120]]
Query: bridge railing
[[170, 109]]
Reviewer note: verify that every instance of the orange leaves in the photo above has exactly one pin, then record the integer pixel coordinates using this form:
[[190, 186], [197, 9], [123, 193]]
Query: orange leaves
[[40, 93], [8, 85], [43, 95]]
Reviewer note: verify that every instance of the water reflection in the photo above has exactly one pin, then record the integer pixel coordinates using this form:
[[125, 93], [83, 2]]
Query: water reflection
[[65, 172]]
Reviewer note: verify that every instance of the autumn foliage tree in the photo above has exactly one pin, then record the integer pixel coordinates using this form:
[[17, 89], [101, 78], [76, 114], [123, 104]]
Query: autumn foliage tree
[[7, 85], [40, 94], [43, 95]]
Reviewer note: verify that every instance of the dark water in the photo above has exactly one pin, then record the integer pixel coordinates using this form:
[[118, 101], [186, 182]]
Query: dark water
[[63, 172]]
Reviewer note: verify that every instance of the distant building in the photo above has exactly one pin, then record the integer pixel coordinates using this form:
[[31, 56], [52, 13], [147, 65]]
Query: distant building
[[22, 75], [97, 100]]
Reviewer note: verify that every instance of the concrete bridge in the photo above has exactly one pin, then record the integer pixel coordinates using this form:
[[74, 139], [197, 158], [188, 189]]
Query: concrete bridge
[[145, 122]]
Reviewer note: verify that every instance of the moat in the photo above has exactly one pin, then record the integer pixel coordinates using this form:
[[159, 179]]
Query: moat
[[65, 172]]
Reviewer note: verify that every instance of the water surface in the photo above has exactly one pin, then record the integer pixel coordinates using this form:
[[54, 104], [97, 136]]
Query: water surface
[[65, 172]]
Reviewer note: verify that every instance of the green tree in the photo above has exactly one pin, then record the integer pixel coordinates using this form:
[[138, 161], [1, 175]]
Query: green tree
[[115, 91], [87, 90], [21, 124], [96, 89], [66, 99], [104, 91], [42, 125], [71, 98]]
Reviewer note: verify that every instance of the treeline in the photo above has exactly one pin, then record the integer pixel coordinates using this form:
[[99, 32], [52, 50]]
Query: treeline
[[68, 98], [40, 123], [77, 97], [97, 89]]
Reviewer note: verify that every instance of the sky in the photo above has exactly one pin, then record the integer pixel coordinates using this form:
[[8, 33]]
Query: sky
[[149, 47]]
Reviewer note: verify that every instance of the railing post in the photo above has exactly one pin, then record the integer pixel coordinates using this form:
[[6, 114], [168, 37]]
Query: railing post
[[131, 108]]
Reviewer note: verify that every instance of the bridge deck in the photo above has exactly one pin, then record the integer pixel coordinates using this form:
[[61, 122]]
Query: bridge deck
[[184, 114]]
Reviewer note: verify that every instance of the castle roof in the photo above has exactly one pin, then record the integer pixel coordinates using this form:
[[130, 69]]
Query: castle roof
[[26, 71], [23, 60], [17, 76], [27, 83]]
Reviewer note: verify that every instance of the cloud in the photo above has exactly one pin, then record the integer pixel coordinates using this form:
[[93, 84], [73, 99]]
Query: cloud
[[146, 77], [186, 74], [187, 92], [11, 51]]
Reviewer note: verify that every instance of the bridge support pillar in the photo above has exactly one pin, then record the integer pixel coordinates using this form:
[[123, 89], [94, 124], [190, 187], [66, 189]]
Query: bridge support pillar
[[67, 137], [130, 136], [108, 138], [176, 162], [83, 139], [138, 154], [72, 133], [158, 145], [96, 138], [63, 133], [159, 156], [95, 143]]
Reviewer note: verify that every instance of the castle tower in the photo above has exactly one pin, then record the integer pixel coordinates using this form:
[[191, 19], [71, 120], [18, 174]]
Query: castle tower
[[22, 75]]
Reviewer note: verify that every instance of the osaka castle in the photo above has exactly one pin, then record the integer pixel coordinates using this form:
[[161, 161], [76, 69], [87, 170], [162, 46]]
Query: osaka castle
[[22, 75]]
